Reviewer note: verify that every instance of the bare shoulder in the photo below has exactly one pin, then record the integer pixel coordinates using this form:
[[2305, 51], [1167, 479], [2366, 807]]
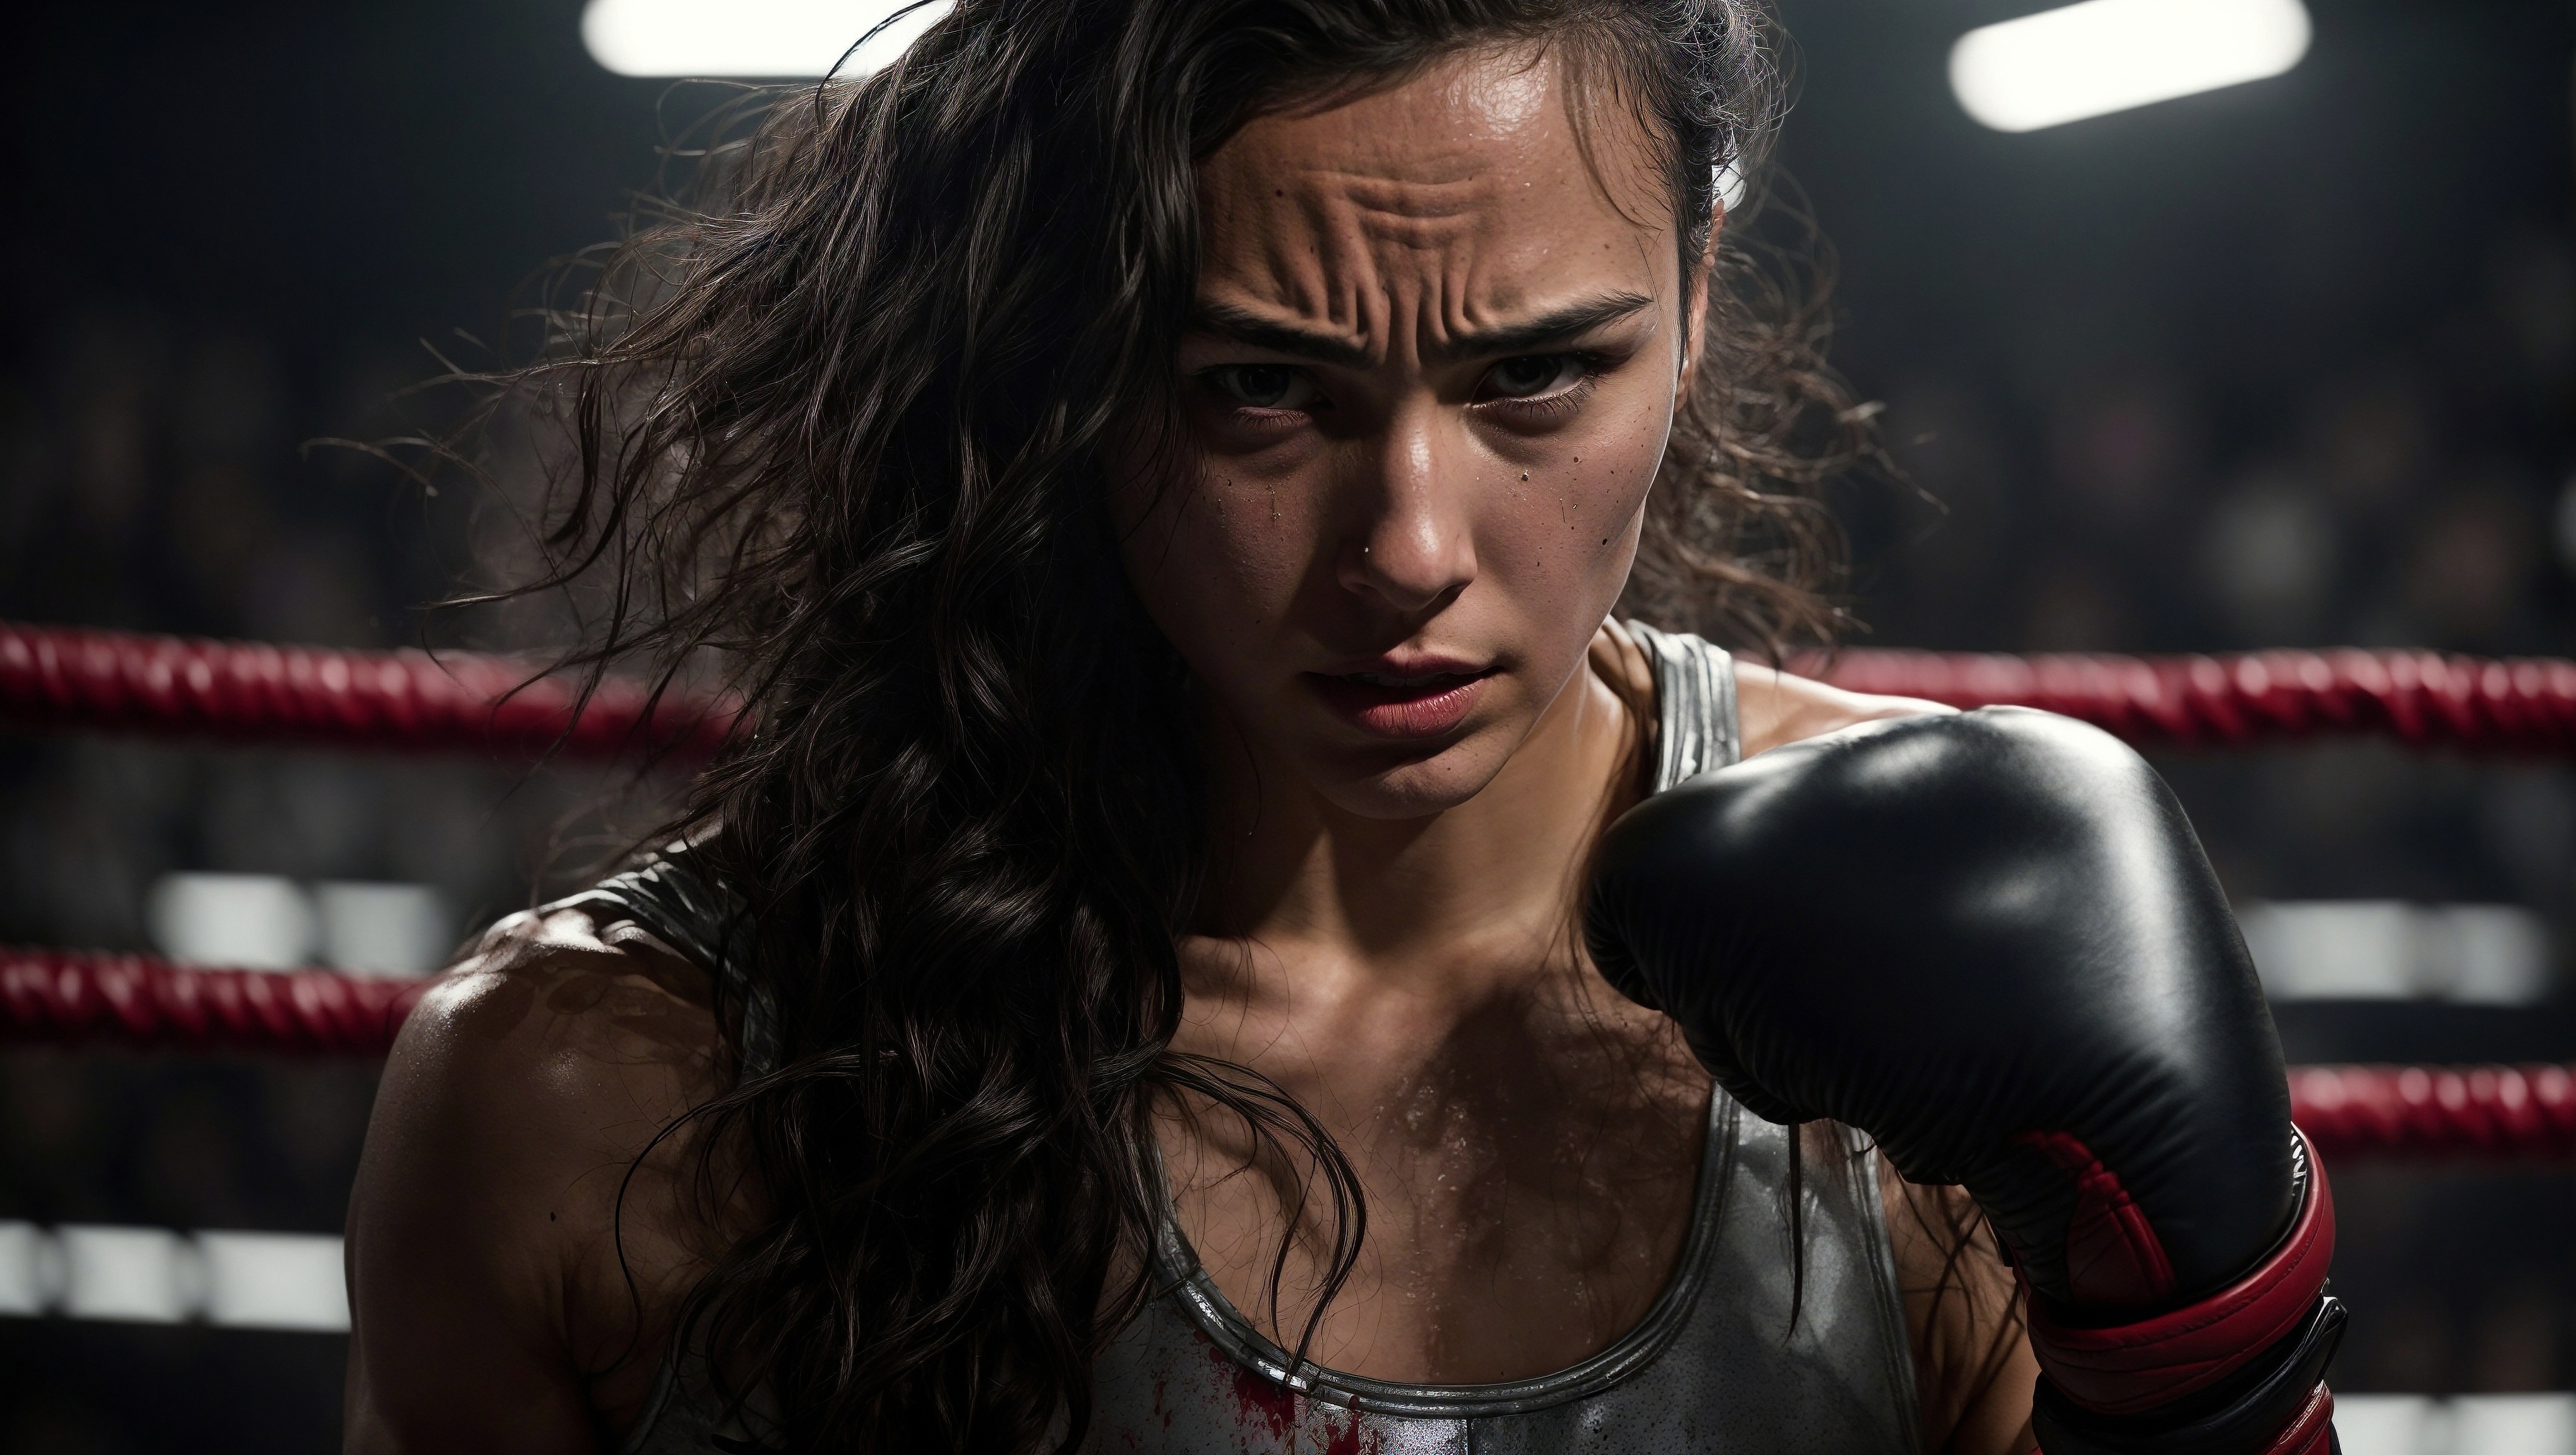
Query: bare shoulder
[[506, 1195], [582, 1006], [1776, 708]]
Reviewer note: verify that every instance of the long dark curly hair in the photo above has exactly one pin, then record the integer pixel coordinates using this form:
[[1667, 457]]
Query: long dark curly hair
[[837, 417]]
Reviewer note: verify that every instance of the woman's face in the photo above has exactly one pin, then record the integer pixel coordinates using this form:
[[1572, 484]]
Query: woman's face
[[1435, 357]]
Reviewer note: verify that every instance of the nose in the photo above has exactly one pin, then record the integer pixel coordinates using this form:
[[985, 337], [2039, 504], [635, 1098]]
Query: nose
[[1413, 547]]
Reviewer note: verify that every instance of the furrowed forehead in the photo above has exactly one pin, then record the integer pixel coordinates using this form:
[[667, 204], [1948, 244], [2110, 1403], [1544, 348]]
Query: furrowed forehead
[[1464, 195]]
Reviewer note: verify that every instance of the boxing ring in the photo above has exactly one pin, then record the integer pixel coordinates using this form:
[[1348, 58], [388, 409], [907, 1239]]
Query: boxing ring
[[410, 702]]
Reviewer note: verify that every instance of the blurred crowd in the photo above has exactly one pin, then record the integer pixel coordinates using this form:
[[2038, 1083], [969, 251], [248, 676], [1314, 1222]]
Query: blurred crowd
[[2409, 499], [2417, 497]]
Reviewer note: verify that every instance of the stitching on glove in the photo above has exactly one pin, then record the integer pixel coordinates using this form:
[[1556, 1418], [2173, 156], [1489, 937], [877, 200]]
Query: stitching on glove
[[2113, 1257]]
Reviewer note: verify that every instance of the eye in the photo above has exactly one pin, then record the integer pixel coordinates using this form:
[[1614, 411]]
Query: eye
[[1264, 386], [1533, 376]]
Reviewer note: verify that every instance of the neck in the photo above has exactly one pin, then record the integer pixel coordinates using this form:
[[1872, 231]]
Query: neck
[[1448, 895]]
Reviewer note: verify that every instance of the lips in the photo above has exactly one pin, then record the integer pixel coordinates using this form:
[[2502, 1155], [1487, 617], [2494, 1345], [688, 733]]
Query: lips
[[1402, 705]]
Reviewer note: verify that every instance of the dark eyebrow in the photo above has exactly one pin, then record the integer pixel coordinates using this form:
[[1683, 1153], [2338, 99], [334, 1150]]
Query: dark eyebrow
[[1548, 328], [1247, 327], [1244, 326]]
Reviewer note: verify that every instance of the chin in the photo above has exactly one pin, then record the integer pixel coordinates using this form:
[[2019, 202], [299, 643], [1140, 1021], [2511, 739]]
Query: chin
[[1417, 787]]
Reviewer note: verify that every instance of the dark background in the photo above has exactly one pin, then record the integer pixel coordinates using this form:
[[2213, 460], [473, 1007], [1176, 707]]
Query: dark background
[[2288, 364]]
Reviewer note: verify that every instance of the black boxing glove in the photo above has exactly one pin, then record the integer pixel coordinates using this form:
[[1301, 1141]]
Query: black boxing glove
[[1991, 941]]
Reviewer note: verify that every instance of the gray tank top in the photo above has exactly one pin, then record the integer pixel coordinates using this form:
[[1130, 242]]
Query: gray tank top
[[1718, 1363]]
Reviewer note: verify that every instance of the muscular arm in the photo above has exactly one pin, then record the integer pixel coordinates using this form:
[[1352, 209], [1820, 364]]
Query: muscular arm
[[489, 1307]]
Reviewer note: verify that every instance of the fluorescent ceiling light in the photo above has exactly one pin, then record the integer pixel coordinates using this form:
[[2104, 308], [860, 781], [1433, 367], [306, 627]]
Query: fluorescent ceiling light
[[752, 39], [2110, 55]]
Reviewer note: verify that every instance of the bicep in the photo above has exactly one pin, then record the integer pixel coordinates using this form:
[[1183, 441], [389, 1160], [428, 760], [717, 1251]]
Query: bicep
[[456, 1258], [1973, 1367]]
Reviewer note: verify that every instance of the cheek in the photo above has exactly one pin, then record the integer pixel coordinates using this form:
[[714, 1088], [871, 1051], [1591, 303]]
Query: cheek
[[1568, 533], [1217, 562]]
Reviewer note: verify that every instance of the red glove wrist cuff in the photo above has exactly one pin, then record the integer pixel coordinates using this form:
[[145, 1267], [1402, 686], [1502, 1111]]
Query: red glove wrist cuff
[[2312, 1433], [2131, 1368]]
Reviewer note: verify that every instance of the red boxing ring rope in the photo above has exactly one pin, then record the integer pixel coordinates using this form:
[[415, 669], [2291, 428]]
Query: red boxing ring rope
[[57, 996], [407, 701], [2420, 698], [142, 1000], [2433, 1111], [54, 677]]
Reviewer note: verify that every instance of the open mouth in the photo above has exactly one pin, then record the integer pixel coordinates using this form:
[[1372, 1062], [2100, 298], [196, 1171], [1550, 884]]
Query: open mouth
[[1386, 705]]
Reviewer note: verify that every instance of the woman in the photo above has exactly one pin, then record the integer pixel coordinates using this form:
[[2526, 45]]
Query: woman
[[1163, 471]]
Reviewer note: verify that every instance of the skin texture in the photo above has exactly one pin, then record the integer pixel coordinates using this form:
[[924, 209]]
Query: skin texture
[[1394, 458], [490, 1310], [1408, 502]]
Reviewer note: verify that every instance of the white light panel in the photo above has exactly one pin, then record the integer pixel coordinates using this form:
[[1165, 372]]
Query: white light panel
[[2477, 1424], [263, 922], [31, 1273], [2110, 55], [2513, 1424], [2470, 954], [158, 1276], [747, 39], [129, 1275], [2387, 1424], [248, 921], [274, 1281], [382, 929]]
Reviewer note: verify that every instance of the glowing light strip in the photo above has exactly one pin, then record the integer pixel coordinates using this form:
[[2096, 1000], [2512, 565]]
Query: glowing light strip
[[2490, 1424], [2111, 55], [748, 39], [157, 1276]]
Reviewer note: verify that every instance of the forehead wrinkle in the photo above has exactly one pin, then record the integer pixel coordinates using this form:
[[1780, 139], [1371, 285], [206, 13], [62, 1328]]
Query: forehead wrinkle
[[1404, 196], [1326, 279], [1415, 250], [1359, 221], [1349, 270], [1456, 317], [1356, 290], [1417, 216]]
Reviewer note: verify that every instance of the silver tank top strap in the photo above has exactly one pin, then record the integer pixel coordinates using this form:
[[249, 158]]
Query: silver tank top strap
[[701, 920], [1697, 725]]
